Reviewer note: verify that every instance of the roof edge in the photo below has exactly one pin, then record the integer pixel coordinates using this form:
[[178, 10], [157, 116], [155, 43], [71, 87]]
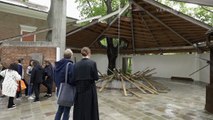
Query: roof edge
[[180, 14], [27, 11]]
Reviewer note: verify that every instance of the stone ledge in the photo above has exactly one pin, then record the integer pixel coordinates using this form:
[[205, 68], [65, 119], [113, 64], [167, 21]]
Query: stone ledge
[[30, 44]]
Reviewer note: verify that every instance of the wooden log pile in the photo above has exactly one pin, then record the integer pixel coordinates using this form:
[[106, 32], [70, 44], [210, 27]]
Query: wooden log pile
[[140, 81]]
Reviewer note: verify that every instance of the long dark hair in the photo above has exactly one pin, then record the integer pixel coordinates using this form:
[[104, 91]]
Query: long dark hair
[[13, 66], [35, 63]]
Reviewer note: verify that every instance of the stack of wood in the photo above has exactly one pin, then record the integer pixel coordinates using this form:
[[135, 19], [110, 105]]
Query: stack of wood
[[140, 80]]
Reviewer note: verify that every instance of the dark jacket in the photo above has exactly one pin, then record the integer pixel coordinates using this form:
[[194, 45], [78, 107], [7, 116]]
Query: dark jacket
[[20, 69], [85, 70], [59, 72], [48, 69], [37, 75]]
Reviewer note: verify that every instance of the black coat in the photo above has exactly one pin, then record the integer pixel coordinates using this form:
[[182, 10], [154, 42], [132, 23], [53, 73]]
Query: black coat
[[48, 69], [37, 75], [86, 102]]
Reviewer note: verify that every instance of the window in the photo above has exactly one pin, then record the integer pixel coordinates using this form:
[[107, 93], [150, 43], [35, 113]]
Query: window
[[28, 29]]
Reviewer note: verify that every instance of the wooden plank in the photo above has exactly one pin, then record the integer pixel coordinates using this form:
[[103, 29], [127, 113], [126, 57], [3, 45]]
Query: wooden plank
[[105, 84], [134, 93], [134, 84], [123, 86]]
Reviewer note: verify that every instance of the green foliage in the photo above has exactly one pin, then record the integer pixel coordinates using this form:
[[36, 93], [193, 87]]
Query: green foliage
[[90, 8], [129, 67], [103, 42], [123, 44], [204, 14]]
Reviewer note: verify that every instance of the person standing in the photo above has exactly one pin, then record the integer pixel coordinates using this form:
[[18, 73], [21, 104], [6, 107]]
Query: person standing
[[48, 78], [85, 75], [30, 88], [36, 79], [2, 67], [20, 72], [59, 73], [10, 85]]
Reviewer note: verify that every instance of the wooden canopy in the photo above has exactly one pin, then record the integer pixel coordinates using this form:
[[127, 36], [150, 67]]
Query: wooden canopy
[[199, 2], [148, 27]]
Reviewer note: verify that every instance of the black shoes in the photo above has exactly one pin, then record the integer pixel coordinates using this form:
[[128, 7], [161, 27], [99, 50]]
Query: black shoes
[[48, 95], [36, 100]]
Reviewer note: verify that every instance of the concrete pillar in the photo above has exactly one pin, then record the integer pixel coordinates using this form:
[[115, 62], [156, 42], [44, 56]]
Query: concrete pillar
[[209, 88], [57, 20]]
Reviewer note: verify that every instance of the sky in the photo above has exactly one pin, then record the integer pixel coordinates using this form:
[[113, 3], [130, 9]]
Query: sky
[[71, 7]]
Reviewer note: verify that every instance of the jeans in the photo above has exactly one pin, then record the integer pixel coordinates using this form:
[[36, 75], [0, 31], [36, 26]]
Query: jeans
[[30, 89], [62, 110]]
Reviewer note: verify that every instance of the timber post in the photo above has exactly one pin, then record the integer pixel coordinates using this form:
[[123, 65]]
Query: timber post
[[209, 88]]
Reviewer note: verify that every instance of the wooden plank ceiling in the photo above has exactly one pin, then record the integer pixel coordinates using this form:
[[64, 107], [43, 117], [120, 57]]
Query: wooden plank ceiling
[[150, 28]]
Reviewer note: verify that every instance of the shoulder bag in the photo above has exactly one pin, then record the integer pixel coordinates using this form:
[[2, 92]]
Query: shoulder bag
[[67, 92]]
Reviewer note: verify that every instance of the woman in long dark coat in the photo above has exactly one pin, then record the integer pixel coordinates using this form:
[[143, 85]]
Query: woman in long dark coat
[[36, 78], [85, 74]]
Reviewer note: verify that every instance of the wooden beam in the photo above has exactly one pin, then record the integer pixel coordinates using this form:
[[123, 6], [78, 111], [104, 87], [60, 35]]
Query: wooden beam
[[117, 12], [121, 12], [169, 28], [123, 86], [168, 9], [147, 27], [88, 19], [165, 48], [25, 35], [199, 2], [82, 28]]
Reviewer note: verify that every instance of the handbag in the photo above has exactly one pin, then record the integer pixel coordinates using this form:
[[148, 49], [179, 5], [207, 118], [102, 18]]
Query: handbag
[[66, 94], [22, 85]]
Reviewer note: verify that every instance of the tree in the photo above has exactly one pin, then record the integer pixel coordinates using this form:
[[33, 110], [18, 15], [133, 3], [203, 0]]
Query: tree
[[201, 13], [91, 8]]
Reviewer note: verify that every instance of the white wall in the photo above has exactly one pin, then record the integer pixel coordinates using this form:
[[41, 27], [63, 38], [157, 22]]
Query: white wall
[[100, 59], [180, 65], [205, 73]]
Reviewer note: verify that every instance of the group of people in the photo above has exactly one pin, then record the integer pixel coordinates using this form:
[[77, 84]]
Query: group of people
[[82, 75], [12, 76]]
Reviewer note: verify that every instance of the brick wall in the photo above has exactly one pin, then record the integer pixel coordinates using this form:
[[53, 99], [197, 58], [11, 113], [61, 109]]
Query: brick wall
[[11, 54], [10, 25]]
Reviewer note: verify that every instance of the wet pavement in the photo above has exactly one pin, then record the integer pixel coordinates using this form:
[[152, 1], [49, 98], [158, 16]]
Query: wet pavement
[[185, 101]]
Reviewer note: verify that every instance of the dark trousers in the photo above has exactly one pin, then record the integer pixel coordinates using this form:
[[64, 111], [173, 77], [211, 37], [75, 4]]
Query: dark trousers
[[36, 88], [49, 86], [0, 88], [18, 93], [10, 102]]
